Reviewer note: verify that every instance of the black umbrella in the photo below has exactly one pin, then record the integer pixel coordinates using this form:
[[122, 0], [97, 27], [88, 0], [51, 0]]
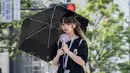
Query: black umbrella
[[40, 31]]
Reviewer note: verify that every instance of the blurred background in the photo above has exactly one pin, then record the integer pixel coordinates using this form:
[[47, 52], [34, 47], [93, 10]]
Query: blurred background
[[108, 34]]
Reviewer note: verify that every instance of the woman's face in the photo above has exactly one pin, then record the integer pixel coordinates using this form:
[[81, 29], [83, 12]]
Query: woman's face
[[68, 27]]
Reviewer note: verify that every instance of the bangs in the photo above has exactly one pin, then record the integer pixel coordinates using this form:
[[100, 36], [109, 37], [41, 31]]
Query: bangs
[[68, 18]]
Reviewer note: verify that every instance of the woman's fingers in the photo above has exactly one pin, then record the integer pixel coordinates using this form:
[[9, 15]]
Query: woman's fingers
[[60, 51], [63, 44]]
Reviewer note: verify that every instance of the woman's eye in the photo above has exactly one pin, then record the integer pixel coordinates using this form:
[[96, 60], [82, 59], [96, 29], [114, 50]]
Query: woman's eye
[[69, 24], [66, 23], [63, 24]]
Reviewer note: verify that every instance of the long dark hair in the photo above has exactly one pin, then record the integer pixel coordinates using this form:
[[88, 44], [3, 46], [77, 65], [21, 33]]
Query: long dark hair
[[72, 19]]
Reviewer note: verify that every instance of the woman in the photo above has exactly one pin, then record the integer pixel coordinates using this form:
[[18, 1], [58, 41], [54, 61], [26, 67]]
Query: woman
[[75, 49]]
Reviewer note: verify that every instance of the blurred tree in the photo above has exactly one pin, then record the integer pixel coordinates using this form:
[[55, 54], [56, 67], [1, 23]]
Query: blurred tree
[[124, 67], [9, 31], [108, 38]]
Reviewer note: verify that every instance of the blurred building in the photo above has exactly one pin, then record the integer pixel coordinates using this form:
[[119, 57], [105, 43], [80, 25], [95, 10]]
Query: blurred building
[[28, 64], [4, 62]]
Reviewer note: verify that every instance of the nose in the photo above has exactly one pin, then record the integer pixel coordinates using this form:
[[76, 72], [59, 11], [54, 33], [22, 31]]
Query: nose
[[65, 25]]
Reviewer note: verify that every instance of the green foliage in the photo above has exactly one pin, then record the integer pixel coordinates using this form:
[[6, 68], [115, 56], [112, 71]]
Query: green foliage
[[124, 67], [106, 34], [26, 3]]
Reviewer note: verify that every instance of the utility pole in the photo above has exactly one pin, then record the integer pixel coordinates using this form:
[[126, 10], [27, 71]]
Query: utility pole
[[0, 70]]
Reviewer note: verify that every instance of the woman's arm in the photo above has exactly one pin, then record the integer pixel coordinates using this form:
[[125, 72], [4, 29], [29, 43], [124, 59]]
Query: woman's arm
[[75, 58], [56, 58]]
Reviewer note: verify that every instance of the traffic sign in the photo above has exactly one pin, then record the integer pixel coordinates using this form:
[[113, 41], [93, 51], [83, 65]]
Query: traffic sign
[[6, 10]]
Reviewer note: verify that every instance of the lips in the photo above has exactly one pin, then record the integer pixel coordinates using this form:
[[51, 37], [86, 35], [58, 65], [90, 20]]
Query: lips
[[65, 29]]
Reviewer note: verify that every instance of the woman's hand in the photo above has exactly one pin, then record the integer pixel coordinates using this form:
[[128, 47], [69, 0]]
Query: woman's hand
[[60, 52], [65, 47], [56, 59]]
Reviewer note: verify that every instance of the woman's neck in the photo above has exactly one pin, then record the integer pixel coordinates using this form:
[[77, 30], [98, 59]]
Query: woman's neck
[[70, 35]]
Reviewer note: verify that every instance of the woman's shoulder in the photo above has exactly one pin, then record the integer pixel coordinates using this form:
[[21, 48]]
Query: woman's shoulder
[[81, 41]]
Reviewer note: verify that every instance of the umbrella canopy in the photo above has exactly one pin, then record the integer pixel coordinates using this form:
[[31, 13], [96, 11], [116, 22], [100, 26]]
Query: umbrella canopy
[[40, 31]]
